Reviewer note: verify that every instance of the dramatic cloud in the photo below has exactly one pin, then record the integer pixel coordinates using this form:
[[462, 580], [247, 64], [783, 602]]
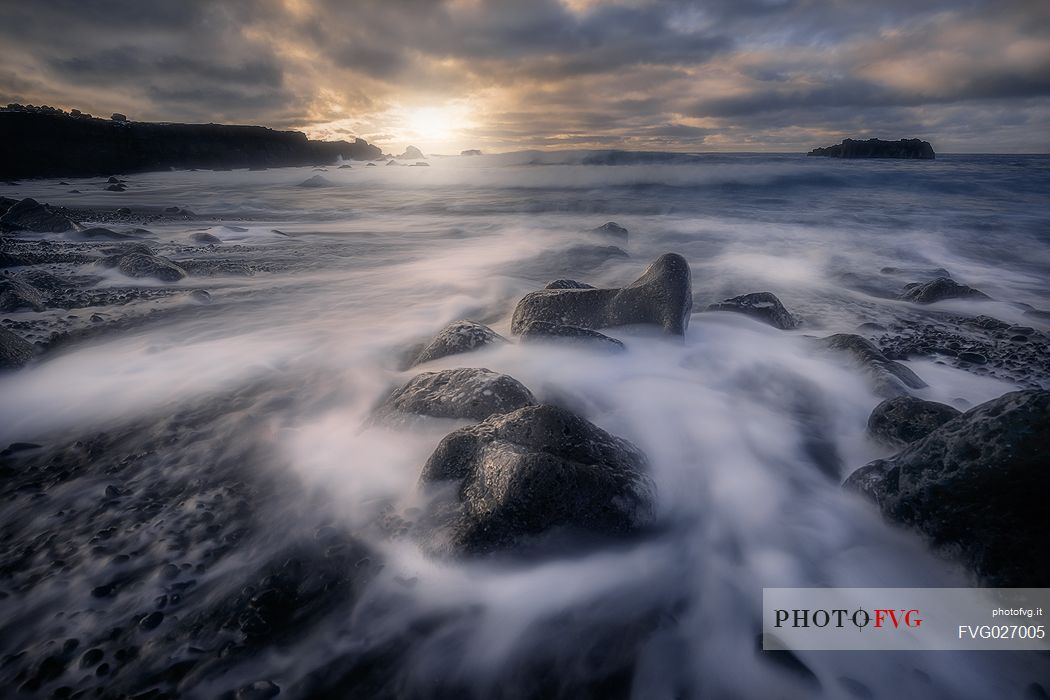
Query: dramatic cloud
[[506, 74]]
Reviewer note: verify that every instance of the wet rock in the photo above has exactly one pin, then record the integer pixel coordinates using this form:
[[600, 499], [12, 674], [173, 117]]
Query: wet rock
[[151, 621], [392, 162], [464, 393], [543, 331], [201, 296], [129, 248], [905, 419], [889, 378], [98, 233], [30, 215], [976, 487], [205, 238], [765, 306], [316, 181], [344, 166], [14, 351], [973, 358], [938, 290], [458, 337], [568, 284], [260, 690], [612, 230], [17, 295], [524, 473], [116, 188], [147, 266], [661, 296], [412, 153]]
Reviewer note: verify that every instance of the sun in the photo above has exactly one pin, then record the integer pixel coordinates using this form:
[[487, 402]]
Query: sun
[[434, 124]]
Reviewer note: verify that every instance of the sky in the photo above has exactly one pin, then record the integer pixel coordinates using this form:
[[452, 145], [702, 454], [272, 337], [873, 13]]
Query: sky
[[506, 75]]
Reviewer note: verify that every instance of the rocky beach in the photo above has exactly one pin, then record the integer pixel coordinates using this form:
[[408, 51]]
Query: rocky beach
[[531, 425]]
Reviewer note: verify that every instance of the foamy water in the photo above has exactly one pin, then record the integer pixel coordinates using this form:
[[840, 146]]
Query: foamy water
[[385, 256]]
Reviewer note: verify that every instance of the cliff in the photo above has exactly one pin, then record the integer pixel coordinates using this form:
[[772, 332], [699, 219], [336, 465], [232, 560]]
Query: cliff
[[877, 148], [42, 144]]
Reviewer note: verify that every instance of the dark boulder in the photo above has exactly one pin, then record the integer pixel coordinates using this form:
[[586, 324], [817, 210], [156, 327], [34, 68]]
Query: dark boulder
[[567, 284], [205, 238], [544, 331], [458, 337], [905, 419], [98, 233], [911, 149], [142, 266], [613, 230], [527, 472], [765, 306], [31, 215], [466, 393], [939, 289], [18, 295], [116, 188], [889, 378], [661, 296], [316, 181], [977, 488], [14, 351]]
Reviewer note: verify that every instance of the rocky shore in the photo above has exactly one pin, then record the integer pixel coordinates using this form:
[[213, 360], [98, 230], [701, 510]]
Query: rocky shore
[[522, 474], [909, 149]]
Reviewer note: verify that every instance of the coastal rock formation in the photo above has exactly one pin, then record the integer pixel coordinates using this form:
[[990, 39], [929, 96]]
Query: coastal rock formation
[[567, 284], [57, 145], [765, 306], [470, 152], [977, 487], [905, 419], [612, 230], [938, 290], [661, 296], [914, 149], [544, 331], [31, 215], [465, 393], [889, 378], [457, 337], [528, 472], [14, 350], [412, 153]]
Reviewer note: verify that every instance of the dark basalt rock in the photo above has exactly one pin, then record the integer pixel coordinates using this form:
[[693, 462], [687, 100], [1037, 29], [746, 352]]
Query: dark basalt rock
[[543, 331], [466, 393], [458, 337], [14, 351], [905, 419], [568, 284], [205, 238], [765, 306], [316, 181], [912, 149], [31, 215], [939, 289], [976, 487], [142, 266], [661, 296], [527, 472], [889, 378], [98, 233], [18, 295], [613, 230]]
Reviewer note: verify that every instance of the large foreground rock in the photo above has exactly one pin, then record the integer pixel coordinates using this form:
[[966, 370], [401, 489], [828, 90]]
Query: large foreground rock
[[458, 337], [888, 377], [661, 296], [466, 393], [905, 419], [544, 332], [14, 350], [18, 295], [938, 290], [765, 306], [977, 487], [529, 471], [31, 215]]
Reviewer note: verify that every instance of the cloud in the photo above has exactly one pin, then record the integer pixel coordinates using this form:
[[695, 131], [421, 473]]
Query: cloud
[[671, 74]]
